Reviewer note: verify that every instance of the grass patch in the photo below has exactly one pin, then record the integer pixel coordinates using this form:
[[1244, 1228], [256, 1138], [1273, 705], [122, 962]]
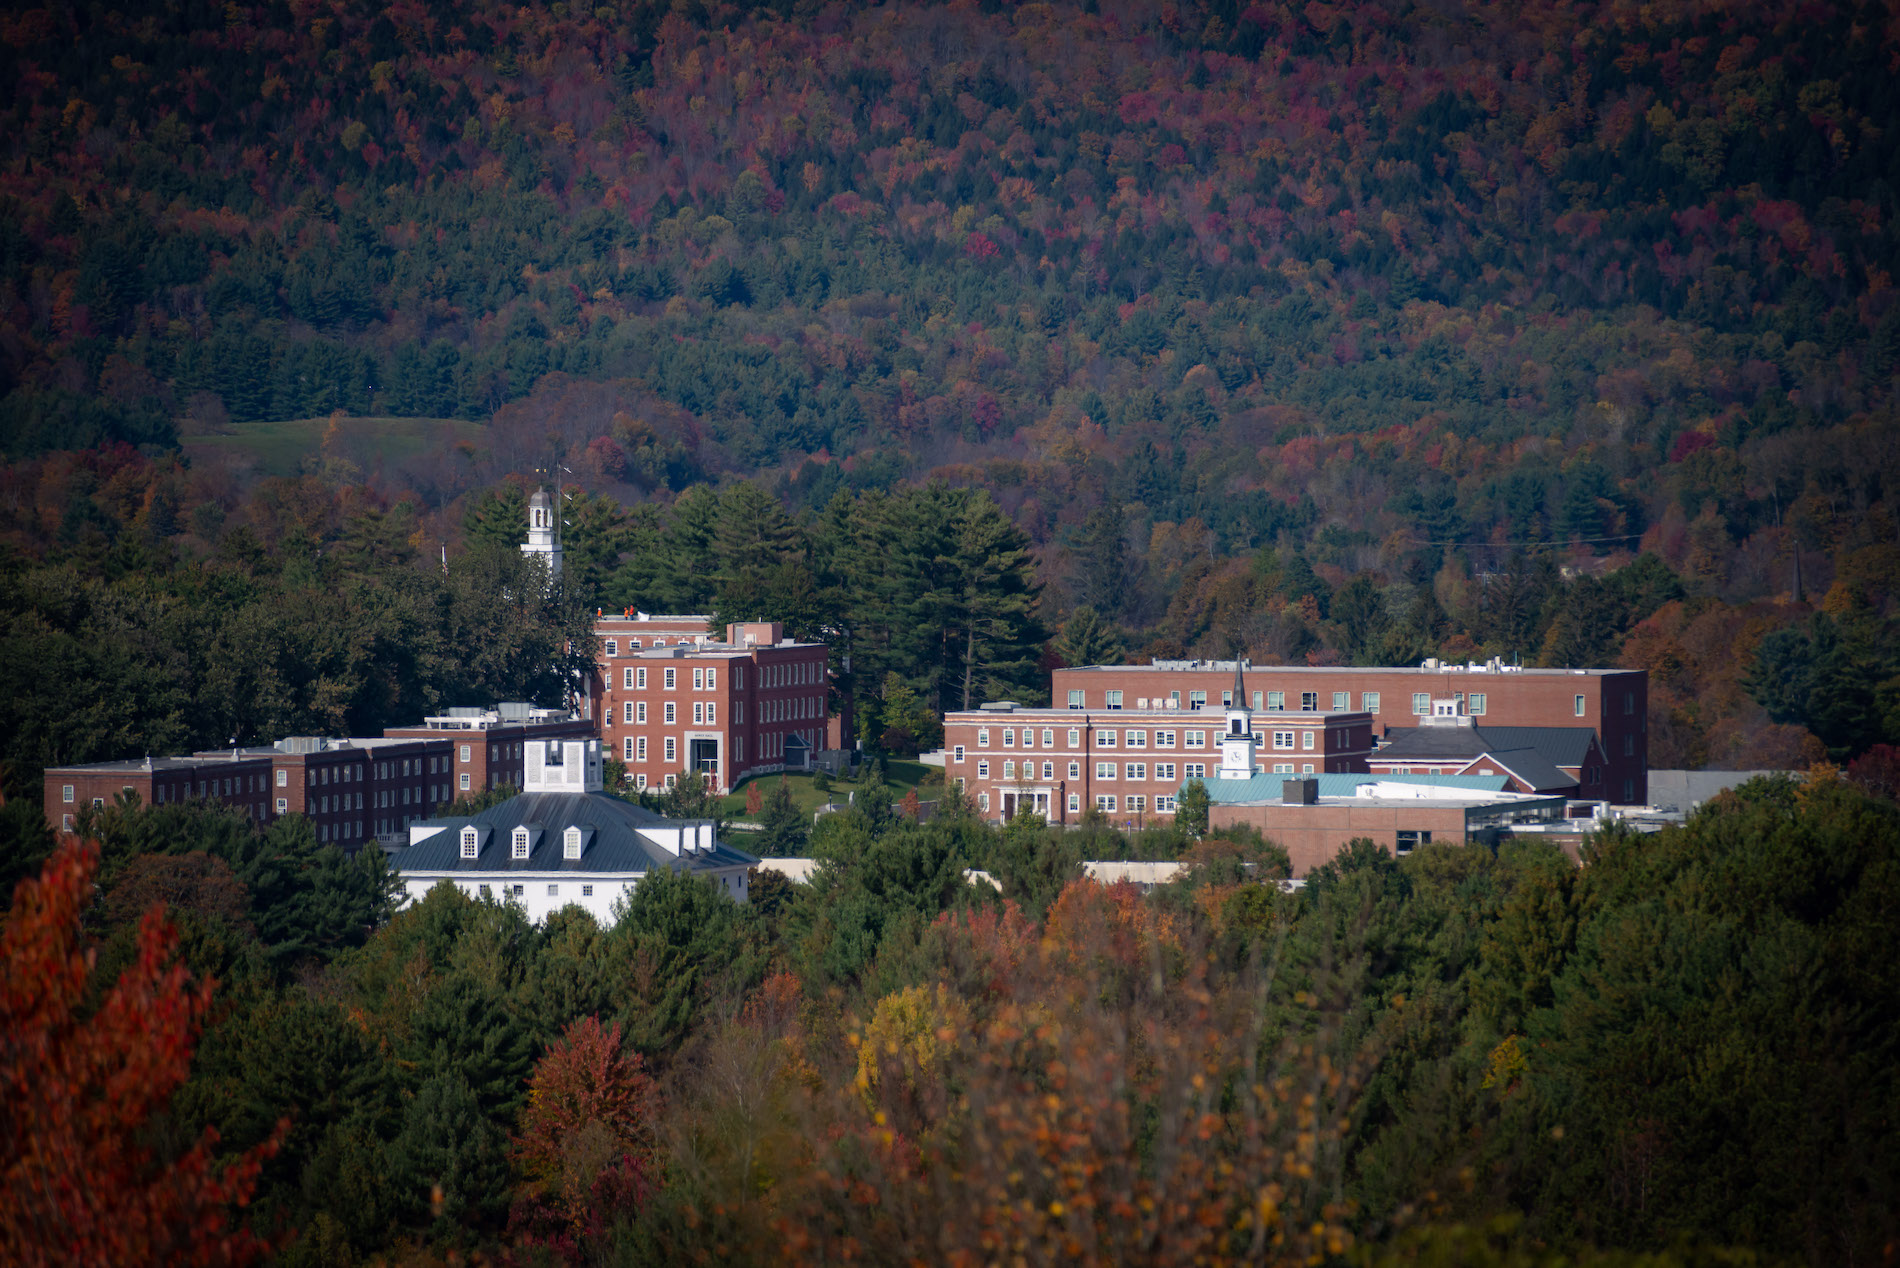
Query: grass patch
[[279, 449], [805, 795]]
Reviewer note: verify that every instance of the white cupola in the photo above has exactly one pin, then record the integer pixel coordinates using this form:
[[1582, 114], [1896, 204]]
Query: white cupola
[[561, 766], [544, 531]]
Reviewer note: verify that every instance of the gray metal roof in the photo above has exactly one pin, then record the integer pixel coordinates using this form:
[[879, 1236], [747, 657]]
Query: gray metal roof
[[616, 845], [1533, 768], [1271, 787], [1559, 745]]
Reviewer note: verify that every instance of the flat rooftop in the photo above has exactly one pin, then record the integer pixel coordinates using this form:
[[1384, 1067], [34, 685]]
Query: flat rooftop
[[151, 765], [647, 618], [728, 651], [1045, 712]]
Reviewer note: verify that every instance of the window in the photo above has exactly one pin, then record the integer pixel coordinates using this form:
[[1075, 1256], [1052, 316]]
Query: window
[[1306, 768], [1257, 700], [1309, 702], [956, 754], [1577, 705], [1283, 768], [1194, 770], [1226, 699], [1197, 700], [640, 782], [1410, 839], [520, 890], [983, 801], [626, 749], [640, 679], [1113, 699], [1104, 770], [1075, 737], [1283, 739], [1029, 738], [1629, 703], [1009, 737], [521, 843], [1276, 700], [633, 645], [672, 679], [1137, 739], [1075, 804], [628, 677], [1048, 738], [1164, 805], [554, 891], [1137, 770], [1629, 746], [712, 680], [1105, 739], [699, 680], [1164, 771], [613, 646], [587, 891], [1137, 804], [1164, 739], [283, 805], [626, 712], [1009, 770], [1306, 740], [670, 716], [1075, 770], [1475, 705], [465, 752], [1105, 802], [640, 712], [1048, 770], [1075, 700], [469, 843], [983, 737], [1629, 791], [699, 714], [464, 781], [982, 770], [671, 752], [66, 793], [670, 780]]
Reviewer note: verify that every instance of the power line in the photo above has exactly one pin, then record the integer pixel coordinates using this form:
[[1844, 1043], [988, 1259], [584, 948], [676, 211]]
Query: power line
[[1574, 541]]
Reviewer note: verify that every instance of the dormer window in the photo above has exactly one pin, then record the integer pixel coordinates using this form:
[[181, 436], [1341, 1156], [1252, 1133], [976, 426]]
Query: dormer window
[[571, 843], [471, 844], [521, 843]]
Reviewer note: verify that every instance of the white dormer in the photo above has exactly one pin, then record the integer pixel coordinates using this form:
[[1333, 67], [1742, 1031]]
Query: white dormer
[[574, 841], [471, 842], [519, 843]]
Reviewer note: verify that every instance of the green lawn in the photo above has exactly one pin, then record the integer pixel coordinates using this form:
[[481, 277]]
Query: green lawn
[[904, 776], [280, 448]]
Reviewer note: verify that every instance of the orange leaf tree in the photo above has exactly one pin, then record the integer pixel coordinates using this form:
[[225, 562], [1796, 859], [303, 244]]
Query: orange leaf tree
[[77, 1185]]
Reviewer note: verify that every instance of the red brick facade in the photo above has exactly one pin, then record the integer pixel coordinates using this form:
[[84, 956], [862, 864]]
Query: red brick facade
[[733, 709], [1129, 764], [1614, 702], [242, 782]]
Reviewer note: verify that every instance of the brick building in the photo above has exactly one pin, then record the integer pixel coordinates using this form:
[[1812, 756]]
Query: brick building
[[753, 704], [487, 744], [1311, 826], [1561, 760], [618, 635], [238, 779], [1127, 763], [354, 791], [1614, 703]]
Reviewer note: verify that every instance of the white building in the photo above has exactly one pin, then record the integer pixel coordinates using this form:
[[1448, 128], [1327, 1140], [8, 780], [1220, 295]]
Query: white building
[[562, 842], [544, 530]]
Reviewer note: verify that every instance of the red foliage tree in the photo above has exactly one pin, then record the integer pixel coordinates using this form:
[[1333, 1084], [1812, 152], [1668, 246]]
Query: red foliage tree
[[586, 1136], [75, 1090]]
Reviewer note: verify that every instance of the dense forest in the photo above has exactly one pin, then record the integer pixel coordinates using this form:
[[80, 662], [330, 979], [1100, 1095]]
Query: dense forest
[[1680, 1053], [1338, 332]]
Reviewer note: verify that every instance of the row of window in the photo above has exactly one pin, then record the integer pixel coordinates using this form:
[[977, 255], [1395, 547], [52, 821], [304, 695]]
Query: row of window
[[1163, 771], [1306, 739], [795, 674], [1309, 701], [520, 891], [1107, 803], [612, 645]]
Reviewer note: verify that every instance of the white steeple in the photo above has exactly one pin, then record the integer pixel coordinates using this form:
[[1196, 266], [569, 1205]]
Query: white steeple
[[544, 531], [1236, 742]]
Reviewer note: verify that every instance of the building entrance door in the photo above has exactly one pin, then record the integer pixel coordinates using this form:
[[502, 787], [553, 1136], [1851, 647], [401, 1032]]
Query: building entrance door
[[703, 755]]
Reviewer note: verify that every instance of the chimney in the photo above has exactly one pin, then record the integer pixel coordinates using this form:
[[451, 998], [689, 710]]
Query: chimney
[[1299, 792]]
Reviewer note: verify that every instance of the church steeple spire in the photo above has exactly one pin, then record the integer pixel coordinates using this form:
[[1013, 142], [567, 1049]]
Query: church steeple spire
[[544, 531], [1236, 743]]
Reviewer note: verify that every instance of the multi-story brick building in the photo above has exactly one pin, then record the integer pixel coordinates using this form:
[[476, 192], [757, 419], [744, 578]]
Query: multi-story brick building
[[1612, 702], [235, 778], [487, 744], [1127, 763], [750, 705], [619, 635], [357, 790]]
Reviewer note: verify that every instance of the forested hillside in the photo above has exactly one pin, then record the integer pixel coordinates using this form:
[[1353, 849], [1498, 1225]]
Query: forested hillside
[[1334, 331]]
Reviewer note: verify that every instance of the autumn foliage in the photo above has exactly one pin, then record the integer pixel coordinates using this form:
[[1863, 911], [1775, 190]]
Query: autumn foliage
[[78, 1087]]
